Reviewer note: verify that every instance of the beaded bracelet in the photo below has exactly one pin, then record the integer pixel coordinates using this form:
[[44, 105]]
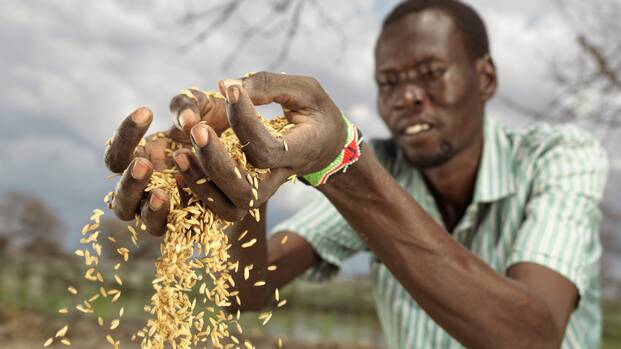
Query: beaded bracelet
[[349, 155]]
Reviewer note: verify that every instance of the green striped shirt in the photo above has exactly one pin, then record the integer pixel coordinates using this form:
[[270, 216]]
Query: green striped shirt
[[536, 200]]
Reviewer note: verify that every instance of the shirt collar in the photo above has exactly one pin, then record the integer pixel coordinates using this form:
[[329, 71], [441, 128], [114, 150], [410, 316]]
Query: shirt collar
[[495, 177]]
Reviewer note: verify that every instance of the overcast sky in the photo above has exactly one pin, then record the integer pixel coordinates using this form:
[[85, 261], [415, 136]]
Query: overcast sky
[[72, 70]]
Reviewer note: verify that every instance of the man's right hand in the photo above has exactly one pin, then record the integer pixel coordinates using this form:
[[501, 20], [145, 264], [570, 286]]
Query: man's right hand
[[136, 162]]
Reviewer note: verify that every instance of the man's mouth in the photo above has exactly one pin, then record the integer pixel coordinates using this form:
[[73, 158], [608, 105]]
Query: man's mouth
[[416, 129]]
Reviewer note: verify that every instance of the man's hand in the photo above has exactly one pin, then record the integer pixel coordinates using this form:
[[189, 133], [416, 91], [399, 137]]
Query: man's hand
[[124, 154], [316, 139]]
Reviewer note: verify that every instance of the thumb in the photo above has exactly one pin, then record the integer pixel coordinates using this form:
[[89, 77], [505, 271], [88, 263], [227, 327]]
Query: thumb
[[292, 92]]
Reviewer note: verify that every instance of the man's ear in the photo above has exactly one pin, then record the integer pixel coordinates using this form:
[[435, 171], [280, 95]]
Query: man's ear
[[486, 72]]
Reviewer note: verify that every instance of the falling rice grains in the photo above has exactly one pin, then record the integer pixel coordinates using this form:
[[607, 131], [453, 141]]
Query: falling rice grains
[[265, 317], [194, 249], [249, 243], [242, 235], [173, 309], [62, 332]]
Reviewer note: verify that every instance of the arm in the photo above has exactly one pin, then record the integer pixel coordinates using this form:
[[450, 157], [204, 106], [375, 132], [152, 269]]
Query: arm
[[291, 259], [137, 162], [438, 272], [443, 276], [528, 309]]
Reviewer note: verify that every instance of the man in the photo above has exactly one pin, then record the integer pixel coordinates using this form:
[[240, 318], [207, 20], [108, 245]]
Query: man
[[481, 237]]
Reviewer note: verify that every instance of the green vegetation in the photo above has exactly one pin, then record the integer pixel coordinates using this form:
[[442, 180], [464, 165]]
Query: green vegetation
[[612, 324], [341, 311]]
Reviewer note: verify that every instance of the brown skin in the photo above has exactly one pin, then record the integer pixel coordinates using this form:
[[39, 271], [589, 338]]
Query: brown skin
[[440, 88], [527, 308]]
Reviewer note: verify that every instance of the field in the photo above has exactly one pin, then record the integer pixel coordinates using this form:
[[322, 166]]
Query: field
[[339, 314]]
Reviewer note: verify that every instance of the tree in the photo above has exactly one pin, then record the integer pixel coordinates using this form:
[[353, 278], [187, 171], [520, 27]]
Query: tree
[[589, 81], [27, 224], [283, 18]]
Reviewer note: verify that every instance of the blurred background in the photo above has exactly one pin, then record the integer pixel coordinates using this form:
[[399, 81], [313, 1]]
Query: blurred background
[[72, 70]]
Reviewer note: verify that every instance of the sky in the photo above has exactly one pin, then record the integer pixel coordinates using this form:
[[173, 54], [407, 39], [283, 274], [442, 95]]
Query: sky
[[72, 70]]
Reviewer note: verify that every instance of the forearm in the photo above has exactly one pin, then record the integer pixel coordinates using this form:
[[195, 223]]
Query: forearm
[[464, 295], [277, 261], [252, 297]]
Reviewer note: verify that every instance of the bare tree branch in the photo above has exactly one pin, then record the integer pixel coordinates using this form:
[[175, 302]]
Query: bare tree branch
[[258, 28], [223, 13], [589, 82], [280, 20], [294, 24], [331, 23], [600, 60]]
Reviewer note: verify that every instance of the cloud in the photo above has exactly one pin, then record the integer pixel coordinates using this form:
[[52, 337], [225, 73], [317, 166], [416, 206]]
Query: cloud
[[66, 175], [70, 77]]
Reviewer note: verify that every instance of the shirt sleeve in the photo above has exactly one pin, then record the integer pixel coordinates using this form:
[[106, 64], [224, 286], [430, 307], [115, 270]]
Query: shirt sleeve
[[323, 227], [560, 229]]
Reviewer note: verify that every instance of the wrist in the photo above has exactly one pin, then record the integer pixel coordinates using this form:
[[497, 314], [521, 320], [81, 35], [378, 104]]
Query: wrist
[[358, 177], [347, 156]]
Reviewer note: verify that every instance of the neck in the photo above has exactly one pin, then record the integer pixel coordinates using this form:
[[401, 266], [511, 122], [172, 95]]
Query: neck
[[453, 183]]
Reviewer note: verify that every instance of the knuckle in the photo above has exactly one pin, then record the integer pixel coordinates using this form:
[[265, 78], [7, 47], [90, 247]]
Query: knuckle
[[237, 215], [114, 165], [154, 228], [261, 158], [261, 80], [154, 225], [241, 197], [228, 213], [121, 212], [180, 102], [115, 160], [314, 83]]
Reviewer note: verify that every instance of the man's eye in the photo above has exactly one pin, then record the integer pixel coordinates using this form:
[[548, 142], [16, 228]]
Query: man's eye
[[387, 80], [434, 73], [392, 79]]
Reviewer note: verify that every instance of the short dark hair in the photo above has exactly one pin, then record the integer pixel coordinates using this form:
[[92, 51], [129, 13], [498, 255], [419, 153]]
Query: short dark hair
[[467, 20]]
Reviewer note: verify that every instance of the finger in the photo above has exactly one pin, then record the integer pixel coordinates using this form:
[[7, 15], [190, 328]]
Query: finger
[[293, 92], [261, 148], [270, 183], [154, 212], [206, 191], [193, 106], [120, 151], [158, 153], [130, 188], [221, 168], [301, 147], [184, 196]]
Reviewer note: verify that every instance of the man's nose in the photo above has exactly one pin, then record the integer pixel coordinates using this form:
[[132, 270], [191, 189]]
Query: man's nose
[[411, 96]]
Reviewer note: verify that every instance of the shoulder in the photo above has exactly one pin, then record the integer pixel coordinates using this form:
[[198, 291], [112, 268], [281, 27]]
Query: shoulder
[[540, 138], [555, 154]]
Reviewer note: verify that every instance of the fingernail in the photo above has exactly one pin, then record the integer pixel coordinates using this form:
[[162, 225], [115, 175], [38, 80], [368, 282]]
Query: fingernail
[[179, 180], [142, 116], [140, 168], [199, 134], [187, 118], [155, 201], [233, 94], [182, 162]]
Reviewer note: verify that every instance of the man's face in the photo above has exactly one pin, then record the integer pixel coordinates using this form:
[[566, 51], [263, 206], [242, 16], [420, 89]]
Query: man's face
[[429, 93]]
